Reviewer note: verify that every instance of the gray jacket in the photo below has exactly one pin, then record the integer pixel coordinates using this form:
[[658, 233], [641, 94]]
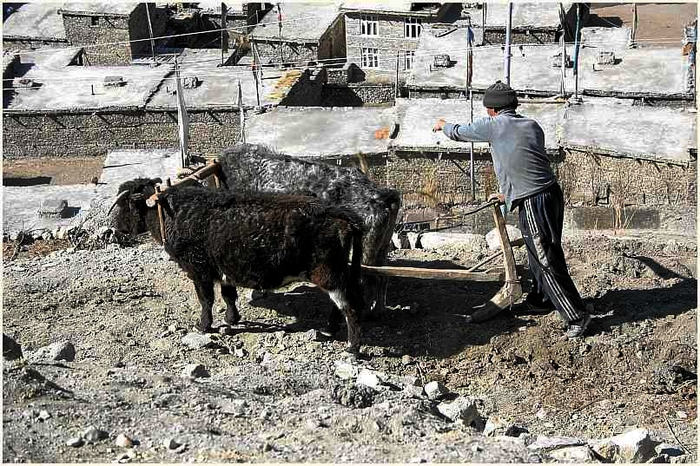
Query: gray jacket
[[517, 148]]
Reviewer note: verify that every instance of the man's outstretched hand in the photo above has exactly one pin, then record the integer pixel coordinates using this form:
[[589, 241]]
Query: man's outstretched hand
[[438, 125], [497, 196]]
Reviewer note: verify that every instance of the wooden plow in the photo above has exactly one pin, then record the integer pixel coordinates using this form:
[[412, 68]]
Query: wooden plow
[[506, 296]]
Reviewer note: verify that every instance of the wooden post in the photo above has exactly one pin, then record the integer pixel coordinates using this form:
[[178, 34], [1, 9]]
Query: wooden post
[[576, 47], [633, 35], [483, 23], [396, 82], [279, 29], [562, 88], [160, 216], [150, 33], [506, 65], [256, 65]]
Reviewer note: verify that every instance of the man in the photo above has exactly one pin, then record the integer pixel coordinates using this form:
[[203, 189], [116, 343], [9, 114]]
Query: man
[[526, 181]]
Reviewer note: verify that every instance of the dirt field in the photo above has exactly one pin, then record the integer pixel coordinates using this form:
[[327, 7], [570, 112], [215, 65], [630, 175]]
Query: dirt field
[[272, 394], [658, 24], [51, 171]]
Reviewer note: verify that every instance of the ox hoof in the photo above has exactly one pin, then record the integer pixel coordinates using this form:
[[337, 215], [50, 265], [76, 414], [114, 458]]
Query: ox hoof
[[231, 321]]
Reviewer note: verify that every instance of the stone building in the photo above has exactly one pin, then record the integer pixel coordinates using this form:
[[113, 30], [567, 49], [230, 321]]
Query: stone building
[[378, 34], [241, 16], [307, 32], [32, 26], [90, 24]]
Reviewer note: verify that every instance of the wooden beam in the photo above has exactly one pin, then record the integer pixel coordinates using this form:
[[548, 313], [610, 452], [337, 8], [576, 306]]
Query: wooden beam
[[431, 274]]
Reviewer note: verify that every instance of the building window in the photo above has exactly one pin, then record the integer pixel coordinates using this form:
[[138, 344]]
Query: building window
[[409, 56], [94, 20], [368, 25], [369, 58], [412, 28]]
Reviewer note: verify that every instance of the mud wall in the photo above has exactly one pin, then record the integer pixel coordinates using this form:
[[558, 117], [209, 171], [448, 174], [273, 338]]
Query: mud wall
[[87, 135]]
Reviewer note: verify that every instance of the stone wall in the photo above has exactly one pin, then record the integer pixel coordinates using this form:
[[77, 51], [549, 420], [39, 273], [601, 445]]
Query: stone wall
[[527, 36], [80, 31], [388, 41], [590, 179], [17, 45], [288, 52], [307, 91], [357, 95], [87, 135]]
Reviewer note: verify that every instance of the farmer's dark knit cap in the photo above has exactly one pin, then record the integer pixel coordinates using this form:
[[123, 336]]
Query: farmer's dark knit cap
[[500, 95]]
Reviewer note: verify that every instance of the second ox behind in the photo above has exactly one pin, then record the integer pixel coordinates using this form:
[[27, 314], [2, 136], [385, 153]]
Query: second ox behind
[[257, 168]]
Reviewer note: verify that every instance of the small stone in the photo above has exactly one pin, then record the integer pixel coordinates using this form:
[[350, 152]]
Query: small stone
[[312, 335], [369, 379], [44, 415], [464, 408], [171, 444], [580, 454], [75, 442], [345, 371], [92, 434], [240, 352], [541, 413], [477, 448], [235, 407], [681, 415], [496, 426], [124, 441], [414, 391], [195, 371], [123, 458], [197, 340], [59, 351], [406, 360], [435, 390]]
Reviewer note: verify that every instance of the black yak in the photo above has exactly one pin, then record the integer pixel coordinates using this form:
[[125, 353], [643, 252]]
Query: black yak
[[254, 240], [257, 168]]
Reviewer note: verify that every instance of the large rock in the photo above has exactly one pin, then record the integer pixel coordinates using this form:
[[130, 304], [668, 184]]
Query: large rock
[[496, 426], [635, 446], [435, 390], [345, 370], [464, 408], [59, 351], [463, 241], [197, 340], [494, 240]]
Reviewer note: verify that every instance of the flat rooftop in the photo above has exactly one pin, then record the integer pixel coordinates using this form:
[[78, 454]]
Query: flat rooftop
[[613, 128], [35, 21], [643, 71], [532, 15], [395, 7], [322, 131], [213, 7], [81, 88], [301, 22], [219, 84], [107, 8], [416, 118]]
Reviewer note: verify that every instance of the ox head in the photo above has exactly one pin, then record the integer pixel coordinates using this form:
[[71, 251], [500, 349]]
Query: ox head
[[130, 204]]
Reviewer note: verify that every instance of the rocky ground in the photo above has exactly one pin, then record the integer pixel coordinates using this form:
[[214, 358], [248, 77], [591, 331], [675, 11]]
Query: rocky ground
[[125, 379]]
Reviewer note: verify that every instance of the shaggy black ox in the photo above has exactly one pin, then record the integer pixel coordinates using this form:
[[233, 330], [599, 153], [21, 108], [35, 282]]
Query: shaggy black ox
[[257, 168], [254, 240]]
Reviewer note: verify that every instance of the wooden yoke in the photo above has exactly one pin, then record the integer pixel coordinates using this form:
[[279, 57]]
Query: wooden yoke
[[512, 290]]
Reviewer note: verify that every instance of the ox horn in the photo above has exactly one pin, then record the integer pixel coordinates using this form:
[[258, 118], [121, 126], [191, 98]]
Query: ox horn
[[119, 197]]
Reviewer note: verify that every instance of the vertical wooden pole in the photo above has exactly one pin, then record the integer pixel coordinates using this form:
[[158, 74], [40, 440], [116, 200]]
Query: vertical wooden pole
[[150, 33], [506, 66]]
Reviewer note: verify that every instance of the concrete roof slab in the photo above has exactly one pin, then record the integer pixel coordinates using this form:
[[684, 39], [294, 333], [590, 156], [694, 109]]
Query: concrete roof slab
[[36, 21], [219, 84], [539, 14], [81, 88], [321, 131], [417, 117], [655, 133], [396, 7], [301, 22]]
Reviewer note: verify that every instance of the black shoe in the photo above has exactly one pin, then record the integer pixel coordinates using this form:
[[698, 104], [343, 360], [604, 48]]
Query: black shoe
[[577, 328], [534, 305]]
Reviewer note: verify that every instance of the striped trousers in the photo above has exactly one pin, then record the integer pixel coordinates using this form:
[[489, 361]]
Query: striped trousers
[[541, 218]]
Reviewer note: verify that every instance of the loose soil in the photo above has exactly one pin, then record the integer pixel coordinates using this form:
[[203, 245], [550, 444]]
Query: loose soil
[[53, 171], [272, 394]]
